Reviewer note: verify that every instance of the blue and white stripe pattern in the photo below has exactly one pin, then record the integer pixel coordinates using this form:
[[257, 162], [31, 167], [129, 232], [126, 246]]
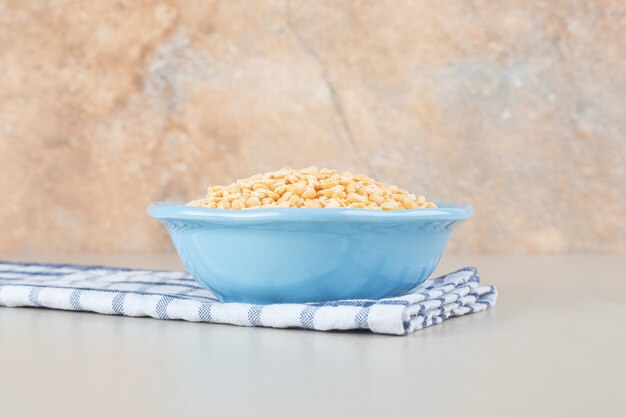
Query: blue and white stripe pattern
[[177, 296]]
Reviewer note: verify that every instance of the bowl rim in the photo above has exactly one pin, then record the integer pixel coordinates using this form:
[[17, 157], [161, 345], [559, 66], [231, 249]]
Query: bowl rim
[[445, 211]]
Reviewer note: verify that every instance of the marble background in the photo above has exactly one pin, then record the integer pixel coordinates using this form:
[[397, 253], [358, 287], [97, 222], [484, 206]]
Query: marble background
[[516, 106]]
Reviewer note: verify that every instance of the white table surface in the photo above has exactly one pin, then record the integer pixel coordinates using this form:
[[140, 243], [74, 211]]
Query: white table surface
[[554, 345]]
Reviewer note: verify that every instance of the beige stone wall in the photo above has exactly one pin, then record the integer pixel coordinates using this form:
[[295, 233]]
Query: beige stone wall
[[516, 106]]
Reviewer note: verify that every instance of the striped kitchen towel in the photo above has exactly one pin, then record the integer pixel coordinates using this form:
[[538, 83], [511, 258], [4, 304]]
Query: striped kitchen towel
[[177, 296]]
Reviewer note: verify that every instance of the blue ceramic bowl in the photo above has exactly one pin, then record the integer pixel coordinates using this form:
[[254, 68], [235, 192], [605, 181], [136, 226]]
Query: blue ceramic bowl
[[288, 255]]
